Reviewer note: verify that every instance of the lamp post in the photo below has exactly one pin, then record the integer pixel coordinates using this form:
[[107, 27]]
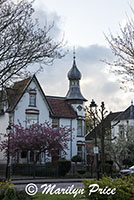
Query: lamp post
[[93, 109], [8, 130]]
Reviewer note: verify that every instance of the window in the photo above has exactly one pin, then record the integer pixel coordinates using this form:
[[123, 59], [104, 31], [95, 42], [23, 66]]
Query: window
[[80, 151], [79, 128], [74, 82], [1, 108], [55, 123], [24, 154], [32, 119], [32, 98], [121, 130]]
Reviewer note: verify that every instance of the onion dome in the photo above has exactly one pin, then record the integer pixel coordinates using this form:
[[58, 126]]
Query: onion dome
[[74, 77], [74, 73]]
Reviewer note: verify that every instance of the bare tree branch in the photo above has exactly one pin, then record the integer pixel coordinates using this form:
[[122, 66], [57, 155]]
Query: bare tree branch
[[122, 47], [22, 41]]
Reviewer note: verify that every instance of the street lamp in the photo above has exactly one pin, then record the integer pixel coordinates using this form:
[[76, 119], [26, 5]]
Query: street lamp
[[93, 109], [8, 130]]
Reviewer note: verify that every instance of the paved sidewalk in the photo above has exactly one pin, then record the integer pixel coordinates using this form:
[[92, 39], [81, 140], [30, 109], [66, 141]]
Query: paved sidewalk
[[45, 180]]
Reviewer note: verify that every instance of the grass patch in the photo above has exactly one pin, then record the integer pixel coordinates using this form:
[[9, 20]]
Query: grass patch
[[40, 196]]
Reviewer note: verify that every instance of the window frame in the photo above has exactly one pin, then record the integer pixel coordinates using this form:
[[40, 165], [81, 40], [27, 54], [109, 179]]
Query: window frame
[[28, 124], [55, 123], [81, 152], [32, 98], [121, 130], [80, 128]]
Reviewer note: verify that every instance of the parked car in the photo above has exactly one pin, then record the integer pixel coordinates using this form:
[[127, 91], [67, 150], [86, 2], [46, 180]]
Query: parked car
[[126, 172]]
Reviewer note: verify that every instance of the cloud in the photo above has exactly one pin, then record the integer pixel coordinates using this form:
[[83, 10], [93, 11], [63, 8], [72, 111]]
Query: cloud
[[97, 81], [48, 18], [94, 53]]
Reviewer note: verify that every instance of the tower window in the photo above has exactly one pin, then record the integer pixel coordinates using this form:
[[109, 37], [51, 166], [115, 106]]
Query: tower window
[[74, 82], [79, 127]]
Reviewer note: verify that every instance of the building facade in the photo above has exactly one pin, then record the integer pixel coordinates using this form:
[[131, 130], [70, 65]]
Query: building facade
[[27, 102]]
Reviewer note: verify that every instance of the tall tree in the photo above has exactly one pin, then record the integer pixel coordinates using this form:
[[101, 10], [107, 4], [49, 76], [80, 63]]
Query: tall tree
[[22, 41], [122, 47], [99, 116], [122, 148]]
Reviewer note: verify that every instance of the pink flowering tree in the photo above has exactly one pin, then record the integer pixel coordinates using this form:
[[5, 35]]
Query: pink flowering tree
[[41, 137]]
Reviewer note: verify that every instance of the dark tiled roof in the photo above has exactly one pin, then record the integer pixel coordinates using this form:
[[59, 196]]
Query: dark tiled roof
[[107, 125], [60, 107], [127, 114], [15, 93]]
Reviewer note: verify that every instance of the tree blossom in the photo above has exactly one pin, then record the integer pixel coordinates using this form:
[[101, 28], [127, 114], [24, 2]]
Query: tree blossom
[[41, 137]]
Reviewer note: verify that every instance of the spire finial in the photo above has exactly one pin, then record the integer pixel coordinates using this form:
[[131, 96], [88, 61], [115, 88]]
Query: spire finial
[[132, 102], [74, 52]]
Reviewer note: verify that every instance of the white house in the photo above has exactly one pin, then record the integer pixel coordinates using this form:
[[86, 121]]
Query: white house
[[115, 124], [27, 102], [124, 119]]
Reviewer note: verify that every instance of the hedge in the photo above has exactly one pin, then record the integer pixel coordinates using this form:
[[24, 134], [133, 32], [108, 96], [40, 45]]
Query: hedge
[[122, 187], [48, 170]]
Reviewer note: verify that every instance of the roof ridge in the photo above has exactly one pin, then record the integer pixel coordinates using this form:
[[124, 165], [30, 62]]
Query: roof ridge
[[55, 97]]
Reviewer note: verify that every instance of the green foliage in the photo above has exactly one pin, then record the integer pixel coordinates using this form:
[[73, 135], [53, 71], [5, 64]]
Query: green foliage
[[76, 159], [3, 187], [10, 194], [40, 196], [121, 150], [63, 167], [81, 171], [88, 120], [124, 188], [21, 195], [128, 162]]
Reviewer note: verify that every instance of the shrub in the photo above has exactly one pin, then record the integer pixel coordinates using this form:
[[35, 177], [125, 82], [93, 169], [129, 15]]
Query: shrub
[[10, 194], [22, 169], [81, 171], [124, 188], [63, 167], [76, 159], [3, 187], [21, 195]]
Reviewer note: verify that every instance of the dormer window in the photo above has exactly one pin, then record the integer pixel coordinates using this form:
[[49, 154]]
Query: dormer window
[[32, 98]]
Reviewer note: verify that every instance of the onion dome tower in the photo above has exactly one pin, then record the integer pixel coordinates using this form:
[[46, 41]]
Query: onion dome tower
[[74, 76]]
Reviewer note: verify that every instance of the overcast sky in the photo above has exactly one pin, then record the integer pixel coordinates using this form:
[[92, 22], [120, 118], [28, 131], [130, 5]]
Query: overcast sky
[[83, 24]]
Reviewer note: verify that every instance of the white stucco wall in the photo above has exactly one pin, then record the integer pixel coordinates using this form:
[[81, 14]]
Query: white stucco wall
[[23, 104], [79, 112], [115, 129], [72, 145], [4, 122], [41, 105]]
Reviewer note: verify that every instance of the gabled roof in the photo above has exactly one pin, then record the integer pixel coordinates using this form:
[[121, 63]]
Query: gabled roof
[[107, 125], [126, 115], [16, 92], [60, 107]]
